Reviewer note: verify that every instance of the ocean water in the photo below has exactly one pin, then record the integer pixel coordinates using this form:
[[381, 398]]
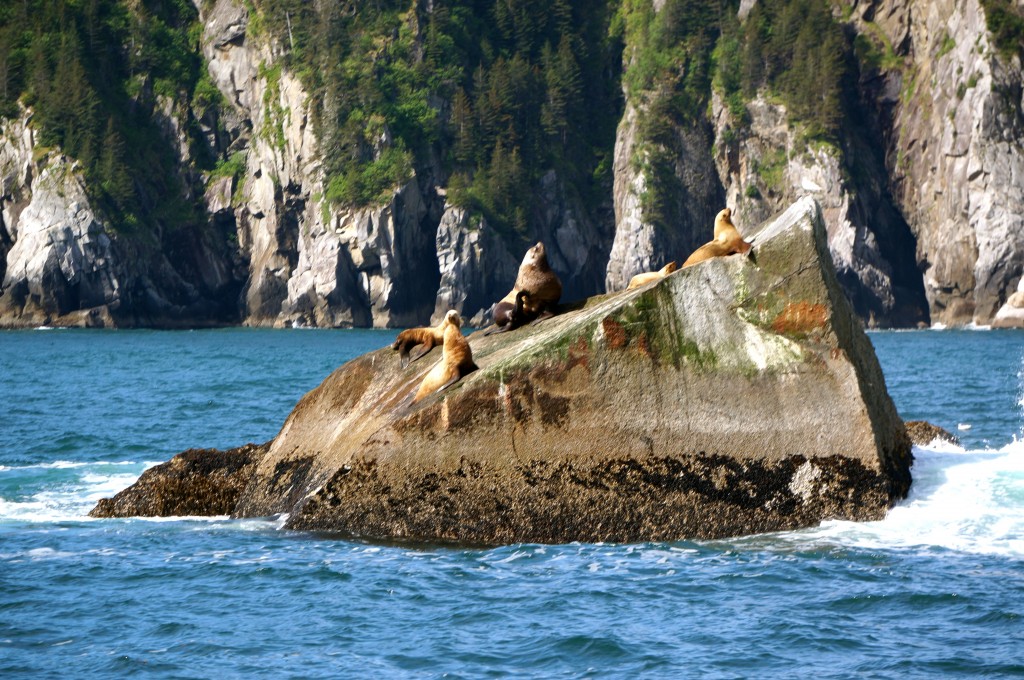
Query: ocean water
[[934, 590]]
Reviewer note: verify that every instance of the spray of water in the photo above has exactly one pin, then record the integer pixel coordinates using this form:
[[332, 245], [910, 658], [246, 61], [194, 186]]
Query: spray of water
[[1020, 397]]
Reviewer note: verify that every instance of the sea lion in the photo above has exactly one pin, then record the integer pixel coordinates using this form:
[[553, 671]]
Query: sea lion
[[427, 338], [508, 315], [456, 359], [727, 241], [542, 287], [643, 279]]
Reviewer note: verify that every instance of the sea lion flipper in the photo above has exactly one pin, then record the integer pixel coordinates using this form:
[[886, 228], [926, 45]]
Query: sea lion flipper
[[424, 350], [546, 314], [451, 381]]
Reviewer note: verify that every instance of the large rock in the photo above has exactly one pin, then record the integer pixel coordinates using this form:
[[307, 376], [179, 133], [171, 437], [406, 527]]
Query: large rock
[[195, 482], [923, 433], [737, 396], [1011, 314]]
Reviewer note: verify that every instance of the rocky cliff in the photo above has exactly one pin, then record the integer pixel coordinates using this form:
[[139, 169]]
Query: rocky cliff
[[737, 396], [64, 265], [950, 108], [919, 184], [313, 262]]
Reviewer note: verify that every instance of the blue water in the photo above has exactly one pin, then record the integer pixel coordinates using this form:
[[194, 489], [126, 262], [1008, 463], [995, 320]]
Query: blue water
[[934, 590]]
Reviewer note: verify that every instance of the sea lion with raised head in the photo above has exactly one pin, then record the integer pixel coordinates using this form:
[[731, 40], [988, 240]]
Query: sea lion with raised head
[[542, 289], [425, 338], [456, 359], [647, 277], [727, 241]]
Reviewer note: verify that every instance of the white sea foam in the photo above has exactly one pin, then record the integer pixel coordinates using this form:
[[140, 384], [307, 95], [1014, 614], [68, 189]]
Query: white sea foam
[[967, 501], [69, 465], [64, 498]]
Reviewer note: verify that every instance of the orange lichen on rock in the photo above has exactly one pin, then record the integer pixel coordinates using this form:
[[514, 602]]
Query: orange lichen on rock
[[801, 317], [615, 333]]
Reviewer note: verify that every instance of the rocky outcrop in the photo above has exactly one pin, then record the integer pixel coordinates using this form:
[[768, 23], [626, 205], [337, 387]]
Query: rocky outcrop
[[737, 396], [197, 482], [1011, 314], [59, 265], [951, 111], [923, 433], [64, 264]]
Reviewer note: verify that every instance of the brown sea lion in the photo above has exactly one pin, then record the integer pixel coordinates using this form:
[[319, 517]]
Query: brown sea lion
[[426, 338], [508, 315], [456, 359], [643, 279], [727, 241], [542, 287]]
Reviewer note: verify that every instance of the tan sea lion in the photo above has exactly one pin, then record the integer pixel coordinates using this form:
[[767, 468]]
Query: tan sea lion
[[426, 338], [456, 359], [643, 279], [727, 241], [542, 287]]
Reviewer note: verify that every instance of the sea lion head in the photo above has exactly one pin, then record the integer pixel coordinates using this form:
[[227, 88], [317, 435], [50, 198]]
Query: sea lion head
[[452, 318], [536, 255], [726, 215], [669, 268]]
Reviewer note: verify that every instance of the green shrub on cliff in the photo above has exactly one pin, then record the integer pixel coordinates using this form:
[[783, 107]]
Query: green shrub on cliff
[[669, 80], [1005, 21], [795, 49], [90, 72], [494, 93]]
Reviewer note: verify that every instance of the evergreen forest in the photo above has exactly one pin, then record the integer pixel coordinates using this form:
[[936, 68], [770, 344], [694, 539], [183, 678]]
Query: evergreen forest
[[487, 96]]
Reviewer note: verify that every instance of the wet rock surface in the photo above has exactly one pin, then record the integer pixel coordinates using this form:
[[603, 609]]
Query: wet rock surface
[[196, 482], [923, 433]]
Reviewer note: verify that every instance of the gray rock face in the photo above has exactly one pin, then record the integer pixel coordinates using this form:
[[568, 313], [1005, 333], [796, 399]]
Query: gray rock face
[[477, 268], [367, 268], [955, 154], [766, 165], [640, 245], [59, 265]]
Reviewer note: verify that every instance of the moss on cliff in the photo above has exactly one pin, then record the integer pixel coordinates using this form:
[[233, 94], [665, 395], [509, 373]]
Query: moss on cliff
[[1005, 21]]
